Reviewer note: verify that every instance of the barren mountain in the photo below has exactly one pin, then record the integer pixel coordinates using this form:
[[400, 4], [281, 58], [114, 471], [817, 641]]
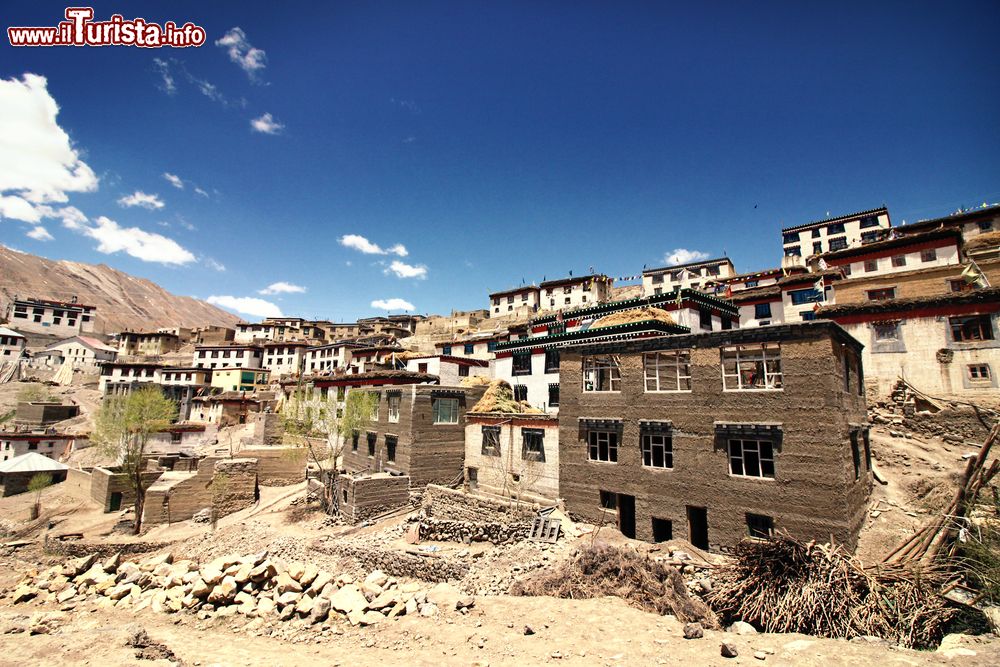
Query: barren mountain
[[122, 301]]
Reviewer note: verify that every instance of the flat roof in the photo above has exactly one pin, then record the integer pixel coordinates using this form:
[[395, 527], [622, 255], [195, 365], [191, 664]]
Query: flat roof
[[674, 267], [572, 280], [827, 221], [898, 242]]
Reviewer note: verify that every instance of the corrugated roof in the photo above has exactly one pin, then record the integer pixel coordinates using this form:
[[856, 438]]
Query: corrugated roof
[[31, 462]]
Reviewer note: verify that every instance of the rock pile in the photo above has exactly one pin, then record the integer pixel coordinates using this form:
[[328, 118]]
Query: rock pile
[[253, 586]]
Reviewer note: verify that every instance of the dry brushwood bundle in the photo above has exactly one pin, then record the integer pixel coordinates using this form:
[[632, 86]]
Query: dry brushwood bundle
[[602, 570], [782, 585]]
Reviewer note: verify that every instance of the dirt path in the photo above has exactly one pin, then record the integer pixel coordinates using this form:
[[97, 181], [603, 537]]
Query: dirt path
[[584, 632]]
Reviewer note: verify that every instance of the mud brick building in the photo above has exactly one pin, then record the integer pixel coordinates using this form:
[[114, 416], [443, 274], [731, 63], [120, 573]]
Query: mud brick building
[[418, 430], [715, 437]]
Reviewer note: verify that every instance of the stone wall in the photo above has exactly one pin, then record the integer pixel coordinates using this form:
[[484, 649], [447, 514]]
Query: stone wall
[[179, 495], [448, 504], [268, 429], [35, 415], [444, 530], [234, 485], [399, 564], [362, 498], [909, 284], [105, 481], [78, 482]]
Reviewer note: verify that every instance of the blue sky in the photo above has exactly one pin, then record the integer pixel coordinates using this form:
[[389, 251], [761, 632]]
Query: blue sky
[[499, 141]]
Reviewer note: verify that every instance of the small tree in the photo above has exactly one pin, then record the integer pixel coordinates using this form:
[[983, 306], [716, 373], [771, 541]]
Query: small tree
[[34, 393], [325, 417], [36, 485], [124, 425]]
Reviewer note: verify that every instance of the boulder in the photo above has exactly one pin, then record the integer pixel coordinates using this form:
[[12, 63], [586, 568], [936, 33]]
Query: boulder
[[111, 563], [320, 610], [265, 606], [377, 577], [262, 571], [309, 575], [387, 599], [370, 591], [729, 650], [320, 582], [211, 575], [289, 599], [23, 593], [741, 628], [201, 588], [370, 618], [304, 606], [348, 599], [287, 583], [78, 566], [444, 595], [66, 594], [428, 609], [296, 569], [467, 602], [693, 631], [242, 574], [223, 592]]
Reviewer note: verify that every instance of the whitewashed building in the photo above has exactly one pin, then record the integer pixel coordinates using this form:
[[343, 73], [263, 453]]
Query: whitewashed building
[[53, 318], [513, 455], [451, 370], [79, 351], [121, 377], [693, 275], [11, 345], [284, 357], [833, 234], [578, 292], [228, 356], [521, 301]]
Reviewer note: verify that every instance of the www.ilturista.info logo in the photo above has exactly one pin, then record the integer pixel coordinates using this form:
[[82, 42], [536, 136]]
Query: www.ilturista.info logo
[[79, 29]]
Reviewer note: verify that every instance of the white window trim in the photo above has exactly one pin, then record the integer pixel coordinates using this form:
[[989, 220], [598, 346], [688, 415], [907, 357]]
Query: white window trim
[[739, 378], [675, 364]]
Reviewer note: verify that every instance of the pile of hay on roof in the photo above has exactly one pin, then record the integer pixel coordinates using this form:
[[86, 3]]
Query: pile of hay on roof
[[634, 315], [476, 381], [984, 240], [499, 397]]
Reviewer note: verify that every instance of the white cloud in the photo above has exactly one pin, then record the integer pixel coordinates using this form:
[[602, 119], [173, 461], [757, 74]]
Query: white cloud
[[404, 270], [213, 264], [242, 52], [201, 192], [174, 180], [148, 247], [266, 125], [683, 256], [282, 287], [247, 305], [39, 233], [38, 163], [392, 304], [167, 83], [140, 198], [361, 244]]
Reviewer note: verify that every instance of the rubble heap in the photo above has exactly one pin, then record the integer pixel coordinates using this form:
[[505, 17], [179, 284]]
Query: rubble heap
[[634, 315], [253, 586], [499, 397]]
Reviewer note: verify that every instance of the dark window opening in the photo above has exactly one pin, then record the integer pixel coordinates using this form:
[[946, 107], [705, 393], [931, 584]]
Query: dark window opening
[[491, 441], [663, 530], [533, 445], [760, 527]]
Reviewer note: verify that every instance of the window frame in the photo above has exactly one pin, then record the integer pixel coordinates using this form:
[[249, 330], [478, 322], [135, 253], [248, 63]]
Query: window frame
[[514, 363], [612, 443], [647, 446], [393, 401], [679, 361], [490, 445], [594, 367], [761, 364], [533, 445], [756, 450], [437, 403], [984, 329]]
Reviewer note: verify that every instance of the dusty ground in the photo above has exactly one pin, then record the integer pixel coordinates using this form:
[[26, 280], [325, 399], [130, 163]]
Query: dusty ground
[[584, 632]]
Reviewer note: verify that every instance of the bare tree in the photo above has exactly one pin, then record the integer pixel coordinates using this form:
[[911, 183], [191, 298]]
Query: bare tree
[[38, 483], [124, 425]]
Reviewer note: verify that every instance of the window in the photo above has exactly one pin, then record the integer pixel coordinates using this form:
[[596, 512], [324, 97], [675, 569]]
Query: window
[[553, 395], [705, 318], [793, 251], [817, 248], [928, 254], [375, 404], [521, 363], [390, 448], [667, 371], [899, 260], [445, 410], [657, 450], [491, 441], [835, 228], [355, 436], [882, 294], [979, 372], [759, 527], [960, 286], [751, 367], [790, 237], [871, 265], [751, 283], [601, 373], [816, 233], [520, 392], [985, 225], [421, 368], [886, 330], [469, 348], [371, 444], [869, 221], [658, 279], [602, 446], [491, 346], [446, 350], [839, 243], [802, 296], [533, 444], [751, 458], [609, 500], [762, 311], [971, 328], [846, 269], [869, 237], [552, 361], [393, 401]]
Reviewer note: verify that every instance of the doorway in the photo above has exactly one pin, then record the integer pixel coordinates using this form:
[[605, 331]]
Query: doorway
[[698, 526], [116, 501], [626, 515], [663, 530]]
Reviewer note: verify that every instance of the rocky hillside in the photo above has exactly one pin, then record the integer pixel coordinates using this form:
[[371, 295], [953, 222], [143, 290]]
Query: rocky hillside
[[122, 301]]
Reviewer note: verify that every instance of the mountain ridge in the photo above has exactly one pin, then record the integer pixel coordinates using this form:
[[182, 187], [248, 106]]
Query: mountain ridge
[[123, 301]]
